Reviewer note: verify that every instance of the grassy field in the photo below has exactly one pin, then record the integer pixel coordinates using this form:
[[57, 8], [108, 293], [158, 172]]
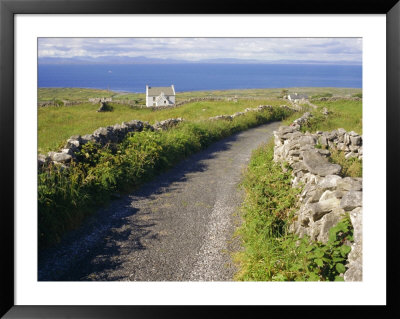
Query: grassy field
[[57, 124], [73, 94], [345, 114], [270, 93], [249, 93]]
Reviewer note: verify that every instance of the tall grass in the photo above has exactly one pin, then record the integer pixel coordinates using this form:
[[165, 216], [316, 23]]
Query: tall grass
[[270, 252], [66, 197], [268, 207]]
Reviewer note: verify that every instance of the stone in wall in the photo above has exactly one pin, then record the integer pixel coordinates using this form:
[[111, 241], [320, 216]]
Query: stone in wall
[[354, 271]]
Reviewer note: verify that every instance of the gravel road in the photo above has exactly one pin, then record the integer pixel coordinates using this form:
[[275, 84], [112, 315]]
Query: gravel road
[[179, 227]]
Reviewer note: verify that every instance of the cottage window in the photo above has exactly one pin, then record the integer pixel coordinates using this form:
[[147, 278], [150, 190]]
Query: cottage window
[[154, 98], [165, 102]]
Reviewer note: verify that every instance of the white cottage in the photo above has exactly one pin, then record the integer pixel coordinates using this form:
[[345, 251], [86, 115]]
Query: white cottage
[[297, 97], [160, 95]]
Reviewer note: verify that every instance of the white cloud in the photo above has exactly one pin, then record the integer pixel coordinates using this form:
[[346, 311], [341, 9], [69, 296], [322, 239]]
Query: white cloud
[[262, 49]]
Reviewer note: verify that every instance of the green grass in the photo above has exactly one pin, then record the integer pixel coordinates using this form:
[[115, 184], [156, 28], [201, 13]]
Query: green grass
[[47, 94], [66, 197], [345, 114], [270, 252], [57, 124], [71, 94], [269, 203], [268, 93]]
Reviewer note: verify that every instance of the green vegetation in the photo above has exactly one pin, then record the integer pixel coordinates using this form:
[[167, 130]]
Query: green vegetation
[[317, 96], [345, 114], [48, 94], [268, 93], [66, 197], [350, 167], [270, 252], [57, 124], [71, 94]]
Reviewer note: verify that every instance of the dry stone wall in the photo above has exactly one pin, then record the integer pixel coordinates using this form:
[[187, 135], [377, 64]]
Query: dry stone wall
[[255, 109], [326, 196], [336, 98], [103, 135], [59, 103]]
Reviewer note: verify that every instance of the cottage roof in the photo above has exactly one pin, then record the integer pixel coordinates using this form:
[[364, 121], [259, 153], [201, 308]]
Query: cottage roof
[[156, 90]]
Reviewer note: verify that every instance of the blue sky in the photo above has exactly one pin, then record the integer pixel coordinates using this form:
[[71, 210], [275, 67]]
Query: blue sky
[[339, 50]]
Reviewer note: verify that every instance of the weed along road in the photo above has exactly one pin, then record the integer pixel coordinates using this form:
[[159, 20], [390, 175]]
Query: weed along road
[[179, 227]]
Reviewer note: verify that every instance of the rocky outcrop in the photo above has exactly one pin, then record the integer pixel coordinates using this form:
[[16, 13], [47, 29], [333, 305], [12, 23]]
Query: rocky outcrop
[[326, 196]]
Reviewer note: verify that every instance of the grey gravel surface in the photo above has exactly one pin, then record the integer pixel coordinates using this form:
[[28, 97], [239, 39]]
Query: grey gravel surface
[[178, 227]]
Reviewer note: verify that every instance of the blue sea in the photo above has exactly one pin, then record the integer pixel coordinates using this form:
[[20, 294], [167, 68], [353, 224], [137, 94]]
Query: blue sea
[[195, 77]]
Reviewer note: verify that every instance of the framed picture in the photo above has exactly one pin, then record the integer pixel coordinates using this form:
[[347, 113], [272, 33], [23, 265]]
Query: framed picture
[[25, 24]]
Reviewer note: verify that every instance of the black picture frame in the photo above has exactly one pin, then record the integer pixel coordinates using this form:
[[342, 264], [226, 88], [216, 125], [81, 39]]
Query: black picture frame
[[8, 8]]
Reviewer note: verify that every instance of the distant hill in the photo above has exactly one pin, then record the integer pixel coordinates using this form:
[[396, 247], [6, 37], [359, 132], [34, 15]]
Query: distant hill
[[145, 60]]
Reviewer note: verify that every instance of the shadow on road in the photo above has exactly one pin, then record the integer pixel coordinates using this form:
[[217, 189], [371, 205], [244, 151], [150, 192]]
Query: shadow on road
[[93, 247]]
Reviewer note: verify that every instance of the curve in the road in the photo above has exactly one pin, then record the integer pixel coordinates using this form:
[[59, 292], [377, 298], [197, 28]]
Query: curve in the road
[[178, 227]]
